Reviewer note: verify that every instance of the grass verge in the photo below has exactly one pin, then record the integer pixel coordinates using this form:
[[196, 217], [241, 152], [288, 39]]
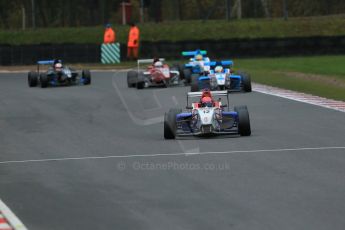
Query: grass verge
[[322, 76]]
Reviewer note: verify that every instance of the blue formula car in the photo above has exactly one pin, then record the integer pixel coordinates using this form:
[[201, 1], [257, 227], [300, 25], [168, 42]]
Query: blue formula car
[[221, 77], [57, 75], [195, 66], [207, 117]]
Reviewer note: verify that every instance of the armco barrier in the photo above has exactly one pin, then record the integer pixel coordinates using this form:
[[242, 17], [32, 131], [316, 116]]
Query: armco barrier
[[231, 48]]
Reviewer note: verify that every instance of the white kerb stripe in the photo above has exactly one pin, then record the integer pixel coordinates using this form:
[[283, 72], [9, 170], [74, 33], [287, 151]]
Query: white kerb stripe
[[12, 219], [5, 226]]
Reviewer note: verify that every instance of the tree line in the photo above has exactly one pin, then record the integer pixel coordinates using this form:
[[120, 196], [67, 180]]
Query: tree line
[[16, 14]]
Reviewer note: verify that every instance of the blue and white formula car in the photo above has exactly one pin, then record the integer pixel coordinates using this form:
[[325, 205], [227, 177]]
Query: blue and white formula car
[[57, 75], [195, 66], [221, 77], [206, 117]]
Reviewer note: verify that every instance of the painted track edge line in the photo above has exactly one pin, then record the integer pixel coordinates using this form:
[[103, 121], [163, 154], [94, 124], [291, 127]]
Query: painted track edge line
[[172, 154]]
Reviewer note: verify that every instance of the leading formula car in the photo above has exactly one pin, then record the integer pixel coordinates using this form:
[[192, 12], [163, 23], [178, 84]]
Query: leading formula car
[[195, 66], [156, 74], [207, 117], [57, 75]]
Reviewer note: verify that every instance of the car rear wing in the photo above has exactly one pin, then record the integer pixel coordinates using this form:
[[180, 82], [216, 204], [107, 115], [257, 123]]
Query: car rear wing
[[193, 53], [44, 62], [222, 93], [146, 61], [219, 63]]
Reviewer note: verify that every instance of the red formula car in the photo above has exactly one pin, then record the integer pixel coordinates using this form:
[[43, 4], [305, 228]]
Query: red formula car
[[156, 74]]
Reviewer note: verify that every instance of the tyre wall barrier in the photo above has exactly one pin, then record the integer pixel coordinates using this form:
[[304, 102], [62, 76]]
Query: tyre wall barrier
[[230, 48]]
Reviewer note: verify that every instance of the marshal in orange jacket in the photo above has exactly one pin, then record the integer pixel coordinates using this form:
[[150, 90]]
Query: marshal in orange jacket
[[133, 37], [109, 36]]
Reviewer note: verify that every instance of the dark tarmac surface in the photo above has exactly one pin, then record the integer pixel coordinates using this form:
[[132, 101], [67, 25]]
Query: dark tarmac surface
[[285, 176]]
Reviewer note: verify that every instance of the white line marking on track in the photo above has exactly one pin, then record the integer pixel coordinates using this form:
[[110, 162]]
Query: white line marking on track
[[12, 219], [174, 154], [138, 121]]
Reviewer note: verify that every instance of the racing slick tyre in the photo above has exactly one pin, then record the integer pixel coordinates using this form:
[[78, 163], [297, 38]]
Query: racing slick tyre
[[194, 87], [180, 68], [213, 85], [86, 75], [243, 120], [32, 78], [246, 82], [140, 81], [44, 80], [170, 123], [132, 78], [187, 73]]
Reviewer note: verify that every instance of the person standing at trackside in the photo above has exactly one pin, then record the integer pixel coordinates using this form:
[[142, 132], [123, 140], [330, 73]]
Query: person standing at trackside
[[109, 35], [133, 42]]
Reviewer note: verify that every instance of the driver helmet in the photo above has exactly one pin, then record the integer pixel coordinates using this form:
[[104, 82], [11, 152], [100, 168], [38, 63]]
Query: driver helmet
[[58, 67], [206, 101], [218, 69], [198, 57], [158, 64]]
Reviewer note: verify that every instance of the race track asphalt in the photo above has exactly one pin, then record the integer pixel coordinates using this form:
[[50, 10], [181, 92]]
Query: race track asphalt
[[285, 176]]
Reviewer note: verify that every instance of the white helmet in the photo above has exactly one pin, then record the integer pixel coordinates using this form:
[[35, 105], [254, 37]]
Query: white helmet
[[158, 64], [58, 66], [198, 57], [218, 69]]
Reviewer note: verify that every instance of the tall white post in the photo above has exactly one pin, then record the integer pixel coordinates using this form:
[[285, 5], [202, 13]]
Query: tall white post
[[33, 14], [123, 13], [141, 11], [23, 18], [239, 9]]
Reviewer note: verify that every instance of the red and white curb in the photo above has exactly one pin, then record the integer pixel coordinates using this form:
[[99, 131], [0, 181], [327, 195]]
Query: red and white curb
[[9, 221], [301, 97]]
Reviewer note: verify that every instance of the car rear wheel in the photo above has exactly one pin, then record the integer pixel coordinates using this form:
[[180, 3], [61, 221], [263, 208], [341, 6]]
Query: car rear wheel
[[140, 81], [86, 75], [170, 123], [44, 80], [194, 87], [246, 82], [32, 79], [243, 120], [187, 75], [132, 78], [180, 68]]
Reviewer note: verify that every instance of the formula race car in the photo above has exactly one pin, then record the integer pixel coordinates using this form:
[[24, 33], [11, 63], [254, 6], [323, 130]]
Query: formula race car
[[57, 75], [206, 117], [221, 77], [156, 74], [195, 66]]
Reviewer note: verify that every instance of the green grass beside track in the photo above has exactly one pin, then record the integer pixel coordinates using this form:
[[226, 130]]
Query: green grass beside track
[[322, 76], [186, 30]]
